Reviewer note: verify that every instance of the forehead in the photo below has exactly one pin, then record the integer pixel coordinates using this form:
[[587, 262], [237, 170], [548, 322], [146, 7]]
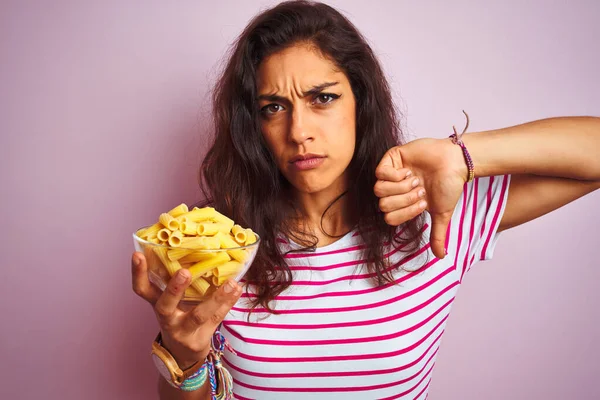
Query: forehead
[[299, 65]]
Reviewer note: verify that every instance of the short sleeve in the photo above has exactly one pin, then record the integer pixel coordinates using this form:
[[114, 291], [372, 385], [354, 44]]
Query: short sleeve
[[473, 230]]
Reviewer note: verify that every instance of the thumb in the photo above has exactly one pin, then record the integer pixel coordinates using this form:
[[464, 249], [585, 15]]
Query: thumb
[[439, 228], [390, 162]]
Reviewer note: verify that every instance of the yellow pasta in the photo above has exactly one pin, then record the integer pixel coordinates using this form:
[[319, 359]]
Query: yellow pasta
[[239, 234], [227, 242], [150, 231], [179, 210], [201, 240], [175, 239], [201, 285], [225, 271], [208, 228], [200, 214], [189, 227], [224, 220], [205, 243], [169, 222], [163, 234], [250, 237], [191, 292], [228, 269], [207, 265], [171, 266], [178, 254], [196, 256]]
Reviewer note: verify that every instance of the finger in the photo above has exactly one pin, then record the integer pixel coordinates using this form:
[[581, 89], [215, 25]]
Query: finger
[[392, 203], [389, 173], [439, 227], [391, 161], [172, 295], [390, 188], [402, 215], [139, 277], [212, 312]]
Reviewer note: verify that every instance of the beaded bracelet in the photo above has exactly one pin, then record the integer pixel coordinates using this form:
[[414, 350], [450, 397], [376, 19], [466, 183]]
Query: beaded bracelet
[[457, 139], [221, 381]]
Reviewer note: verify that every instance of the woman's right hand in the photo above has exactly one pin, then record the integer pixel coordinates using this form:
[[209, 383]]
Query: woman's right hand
[[186, 334]]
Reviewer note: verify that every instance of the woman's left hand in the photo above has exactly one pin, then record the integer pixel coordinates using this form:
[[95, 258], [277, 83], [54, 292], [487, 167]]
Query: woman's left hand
[[441, 171]]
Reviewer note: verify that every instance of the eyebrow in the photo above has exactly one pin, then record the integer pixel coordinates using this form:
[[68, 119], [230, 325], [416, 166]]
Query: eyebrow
[[311, 92]]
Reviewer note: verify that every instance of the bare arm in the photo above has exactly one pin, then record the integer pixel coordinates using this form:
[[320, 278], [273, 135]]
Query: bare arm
[[553, 161], [531, 196], [565, 147]]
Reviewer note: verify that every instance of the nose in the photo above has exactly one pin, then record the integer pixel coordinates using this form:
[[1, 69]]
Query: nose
[[299, 126]]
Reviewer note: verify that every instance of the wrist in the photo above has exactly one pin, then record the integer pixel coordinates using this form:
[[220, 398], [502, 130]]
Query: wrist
[[456, 159], [185, 358]]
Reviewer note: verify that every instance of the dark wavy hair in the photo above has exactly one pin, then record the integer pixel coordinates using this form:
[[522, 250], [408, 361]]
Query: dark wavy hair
[[239, 176]]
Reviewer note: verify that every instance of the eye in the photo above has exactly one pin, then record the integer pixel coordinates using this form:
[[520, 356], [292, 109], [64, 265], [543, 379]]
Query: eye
[[326, 98], [271, 109]]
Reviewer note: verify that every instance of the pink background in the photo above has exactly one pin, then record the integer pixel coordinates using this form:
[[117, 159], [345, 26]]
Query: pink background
[[103, 105]]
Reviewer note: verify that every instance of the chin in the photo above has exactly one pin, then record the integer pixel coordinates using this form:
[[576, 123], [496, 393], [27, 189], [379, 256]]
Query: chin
[[311, 182], [311, 186]]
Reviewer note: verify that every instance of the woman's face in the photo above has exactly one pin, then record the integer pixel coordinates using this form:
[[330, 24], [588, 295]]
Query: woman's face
[[307, 118]]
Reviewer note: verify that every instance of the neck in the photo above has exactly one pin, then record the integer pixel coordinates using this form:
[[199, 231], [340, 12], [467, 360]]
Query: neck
[[320, 214]]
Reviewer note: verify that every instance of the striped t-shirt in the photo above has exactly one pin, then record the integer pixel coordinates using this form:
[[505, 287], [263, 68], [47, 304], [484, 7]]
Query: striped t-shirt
[[339, 337]]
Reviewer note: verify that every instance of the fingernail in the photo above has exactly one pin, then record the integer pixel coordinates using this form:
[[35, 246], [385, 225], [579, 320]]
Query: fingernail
[[136, 261], [228, 287], [415, 182], [421, 192], [423, 204], [181, 276], [409, 173]]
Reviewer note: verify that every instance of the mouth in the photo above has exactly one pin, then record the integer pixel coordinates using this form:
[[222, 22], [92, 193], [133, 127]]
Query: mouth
[[306, 156], [307, 161]]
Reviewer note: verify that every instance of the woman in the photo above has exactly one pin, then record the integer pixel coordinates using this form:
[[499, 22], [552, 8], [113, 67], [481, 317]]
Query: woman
[[365, 238]]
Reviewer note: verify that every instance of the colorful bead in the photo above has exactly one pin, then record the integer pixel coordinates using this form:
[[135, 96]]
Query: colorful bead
[[221, 381]]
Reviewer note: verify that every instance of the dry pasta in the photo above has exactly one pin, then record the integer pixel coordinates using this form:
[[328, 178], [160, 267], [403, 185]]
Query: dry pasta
[[194, 238]]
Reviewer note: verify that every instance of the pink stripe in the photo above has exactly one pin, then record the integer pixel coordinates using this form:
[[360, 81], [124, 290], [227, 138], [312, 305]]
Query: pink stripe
[[338, 373], [323, 268], [399, 395], [352, 292], [344, 264], [352, 340], [474, 206], [340, 265], [495, 220], [278, 240], [354, 323], [325, 253], [363, 276], [489, 202], [343, 388], [307, 310], [460, 225], [423, 391], [342, 358], [448, 233], [238, 397], [338, 251]]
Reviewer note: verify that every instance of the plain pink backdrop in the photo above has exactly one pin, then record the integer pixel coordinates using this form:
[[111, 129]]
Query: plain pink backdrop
[[103, 111]]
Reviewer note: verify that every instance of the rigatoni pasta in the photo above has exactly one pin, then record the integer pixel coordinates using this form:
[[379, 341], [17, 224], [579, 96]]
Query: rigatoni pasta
[[207, 243]]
